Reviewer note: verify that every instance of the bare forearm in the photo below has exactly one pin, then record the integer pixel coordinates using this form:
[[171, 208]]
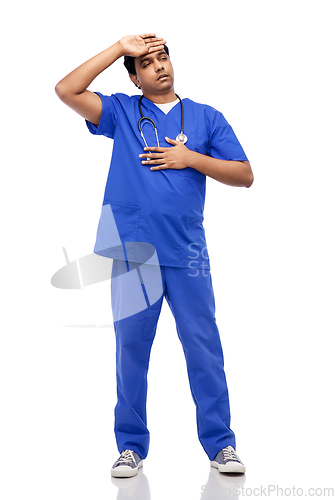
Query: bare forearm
[[233, 173], [72, 89], [79, 79]]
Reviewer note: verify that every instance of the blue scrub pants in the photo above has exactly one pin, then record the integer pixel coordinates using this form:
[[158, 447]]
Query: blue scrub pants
[[191, 300]]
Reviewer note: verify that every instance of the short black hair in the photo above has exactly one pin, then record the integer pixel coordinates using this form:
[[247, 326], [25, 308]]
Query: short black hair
[[129, 62]]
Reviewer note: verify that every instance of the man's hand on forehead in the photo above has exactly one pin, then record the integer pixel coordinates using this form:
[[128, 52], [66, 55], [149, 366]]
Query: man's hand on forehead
[[139, 45]]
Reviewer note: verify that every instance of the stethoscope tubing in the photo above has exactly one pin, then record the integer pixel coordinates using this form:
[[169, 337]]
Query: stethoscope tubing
[[146, 118]]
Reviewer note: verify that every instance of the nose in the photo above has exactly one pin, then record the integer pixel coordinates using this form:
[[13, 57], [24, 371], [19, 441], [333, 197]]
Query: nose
[[159, 65]]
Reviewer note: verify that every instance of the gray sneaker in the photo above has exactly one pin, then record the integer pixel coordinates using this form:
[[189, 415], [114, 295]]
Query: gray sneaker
[[127, 464], [227, 461]]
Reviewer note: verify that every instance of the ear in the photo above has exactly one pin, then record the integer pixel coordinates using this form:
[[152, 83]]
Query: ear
[[135, 80]]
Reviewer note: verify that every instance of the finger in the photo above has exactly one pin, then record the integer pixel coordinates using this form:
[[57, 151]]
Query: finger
[[148, 35], [156, 49], [155, 148], [161, 167], [154, 41], [152, 156], [171, 141], [153, 161]]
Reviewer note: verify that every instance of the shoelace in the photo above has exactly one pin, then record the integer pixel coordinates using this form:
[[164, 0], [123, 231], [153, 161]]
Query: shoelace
[[127, 456], [230, 454]]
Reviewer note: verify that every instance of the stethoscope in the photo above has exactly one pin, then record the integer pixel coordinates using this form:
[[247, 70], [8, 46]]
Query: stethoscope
[[180, 137]]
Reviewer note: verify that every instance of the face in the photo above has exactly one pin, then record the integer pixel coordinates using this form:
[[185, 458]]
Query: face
[[154, 73]]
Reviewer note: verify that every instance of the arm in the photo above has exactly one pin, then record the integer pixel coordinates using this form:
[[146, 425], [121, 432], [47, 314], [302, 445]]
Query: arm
[[72, 89], [233, 173]]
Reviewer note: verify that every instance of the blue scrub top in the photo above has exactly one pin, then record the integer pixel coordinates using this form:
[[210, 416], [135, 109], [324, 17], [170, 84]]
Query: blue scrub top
[[162, 207]]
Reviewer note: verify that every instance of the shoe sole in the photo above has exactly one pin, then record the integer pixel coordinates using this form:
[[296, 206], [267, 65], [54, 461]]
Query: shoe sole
[[230, 467], [125, 470]]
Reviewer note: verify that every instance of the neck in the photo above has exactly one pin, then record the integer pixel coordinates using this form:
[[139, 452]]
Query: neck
[[169, 96]]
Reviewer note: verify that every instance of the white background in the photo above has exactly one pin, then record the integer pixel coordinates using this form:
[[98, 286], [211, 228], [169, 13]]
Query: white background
[[268, 66]]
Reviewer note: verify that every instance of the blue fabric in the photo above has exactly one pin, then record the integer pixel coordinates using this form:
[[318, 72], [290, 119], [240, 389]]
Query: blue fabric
[[189, 294], [165, 207]]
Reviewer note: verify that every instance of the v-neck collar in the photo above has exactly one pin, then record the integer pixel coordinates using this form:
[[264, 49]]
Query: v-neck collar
[[154, 106], [167, 106]]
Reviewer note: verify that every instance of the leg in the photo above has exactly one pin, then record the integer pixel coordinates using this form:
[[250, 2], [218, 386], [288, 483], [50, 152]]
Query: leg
[[134, 337], [191, 300]]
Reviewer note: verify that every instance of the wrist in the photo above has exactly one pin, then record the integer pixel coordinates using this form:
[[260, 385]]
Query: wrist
[[119, 48], [192, 159]]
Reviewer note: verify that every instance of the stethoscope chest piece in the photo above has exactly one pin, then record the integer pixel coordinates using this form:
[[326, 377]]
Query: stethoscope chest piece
[[181, 138]]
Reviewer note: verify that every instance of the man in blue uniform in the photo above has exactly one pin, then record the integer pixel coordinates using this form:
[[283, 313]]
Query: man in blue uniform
[[154, 198]]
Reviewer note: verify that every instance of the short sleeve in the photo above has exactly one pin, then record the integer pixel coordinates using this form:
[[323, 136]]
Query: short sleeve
[[224, 144], [108, 119]]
